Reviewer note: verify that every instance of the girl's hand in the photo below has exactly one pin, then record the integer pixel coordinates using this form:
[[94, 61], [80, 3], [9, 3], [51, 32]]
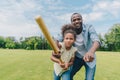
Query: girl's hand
[[62, 65], [66, 66], [56, 55]]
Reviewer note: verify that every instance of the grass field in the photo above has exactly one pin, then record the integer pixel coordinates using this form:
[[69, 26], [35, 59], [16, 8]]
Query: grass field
[[36, 65]]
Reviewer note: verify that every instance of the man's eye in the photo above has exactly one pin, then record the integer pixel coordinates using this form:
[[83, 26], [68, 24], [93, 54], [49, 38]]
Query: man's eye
[[74, 20]]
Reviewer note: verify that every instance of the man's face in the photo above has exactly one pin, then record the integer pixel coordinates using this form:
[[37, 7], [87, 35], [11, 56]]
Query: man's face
[[76, 20]]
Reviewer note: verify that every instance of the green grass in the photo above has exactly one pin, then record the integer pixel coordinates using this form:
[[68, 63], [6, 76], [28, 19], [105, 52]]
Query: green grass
[[36, 65]]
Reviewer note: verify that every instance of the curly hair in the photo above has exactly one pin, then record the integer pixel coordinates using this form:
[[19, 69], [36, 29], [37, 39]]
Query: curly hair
[[68, 28]]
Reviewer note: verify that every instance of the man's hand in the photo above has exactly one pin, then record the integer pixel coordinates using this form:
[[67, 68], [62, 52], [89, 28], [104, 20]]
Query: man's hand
[[88, 57]]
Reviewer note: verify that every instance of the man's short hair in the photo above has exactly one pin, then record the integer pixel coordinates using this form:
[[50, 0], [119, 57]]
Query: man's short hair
[[75, 14]]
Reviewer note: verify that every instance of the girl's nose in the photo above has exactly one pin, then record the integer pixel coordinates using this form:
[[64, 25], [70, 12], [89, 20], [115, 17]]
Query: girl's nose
[[69, 40]]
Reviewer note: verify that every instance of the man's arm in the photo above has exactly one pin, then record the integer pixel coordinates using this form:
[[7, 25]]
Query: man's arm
[[89, 56], [94, 47]]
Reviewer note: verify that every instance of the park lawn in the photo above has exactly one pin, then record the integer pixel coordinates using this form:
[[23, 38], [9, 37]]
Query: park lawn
[[36, 65]]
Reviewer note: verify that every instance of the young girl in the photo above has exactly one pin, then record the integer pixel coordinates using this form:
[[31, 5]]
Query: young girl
[[67, 52]]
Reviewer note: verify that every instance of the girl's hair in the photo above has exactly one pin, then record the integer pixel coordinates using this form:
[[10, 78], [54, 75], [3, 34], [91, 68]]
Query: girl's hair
[[68, 28]]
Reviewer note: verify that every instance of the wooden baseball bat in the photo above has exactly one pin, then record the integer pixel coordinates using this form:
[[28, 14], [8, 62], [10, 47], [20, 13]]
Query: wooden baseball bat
[[46, 33]]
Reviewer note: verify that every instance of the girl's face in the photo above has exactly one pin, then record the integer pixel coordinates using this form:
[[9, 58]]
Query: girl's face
[[68, 40]]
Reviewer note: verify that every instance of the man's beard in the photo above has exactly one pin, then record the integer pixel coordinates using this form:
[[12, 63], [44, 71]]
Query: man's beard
[[78, 30]]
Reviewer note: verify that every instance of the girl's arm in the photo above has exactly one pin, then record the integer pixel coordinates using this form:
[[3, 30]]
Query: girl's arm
[[54, 59], [57, 61], [71, 61]]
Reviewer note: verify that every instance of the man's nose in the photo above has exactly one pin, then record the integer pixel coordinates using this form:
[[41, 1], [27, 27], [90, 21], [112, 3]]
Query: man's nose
[[77, 21]]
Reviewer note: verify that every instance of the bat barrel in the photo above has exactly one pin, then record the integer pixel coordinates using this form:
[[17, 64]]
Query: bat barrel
[[47, 34]]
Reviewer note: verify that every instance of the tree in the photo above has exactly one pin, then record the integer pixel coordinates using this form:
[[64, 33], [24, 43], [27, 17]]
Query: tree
[[10, 42], [113, 38], [2, 42], [103, 45]]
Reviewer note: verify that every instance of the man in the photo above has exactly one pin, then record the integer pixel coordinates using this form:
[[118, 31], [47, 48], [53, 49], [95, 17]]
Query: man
[[87, 42]]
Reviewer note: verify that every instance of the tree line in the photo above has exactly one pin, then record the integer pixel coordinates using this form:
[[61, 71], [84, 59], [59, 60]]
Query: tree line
[[29, 43], [110, 41]]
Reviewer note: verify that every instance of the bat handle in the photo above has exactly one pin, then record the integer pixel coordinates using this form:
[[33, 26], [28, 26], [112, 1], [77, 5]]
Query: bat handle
[[61, 60], [59, 57]]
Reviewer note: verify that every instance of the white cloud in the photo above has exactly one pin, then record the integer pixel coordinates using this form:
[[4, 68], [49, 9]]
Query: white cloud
[[17, 16], [20, 30], [108, 7], [64, 17], [93, 16], [101, 10], [14, 18], [85, 7], [53, 2]]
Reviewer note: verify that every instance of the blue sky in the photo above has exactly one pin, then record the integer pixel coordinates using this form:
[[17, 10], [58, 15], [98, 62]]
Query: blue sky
[[17, 17]]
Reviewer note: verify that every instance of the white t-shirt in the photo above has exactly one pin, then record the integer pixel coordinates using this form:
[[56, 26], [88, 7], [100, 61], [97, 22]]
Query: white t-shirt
[[79, 43]]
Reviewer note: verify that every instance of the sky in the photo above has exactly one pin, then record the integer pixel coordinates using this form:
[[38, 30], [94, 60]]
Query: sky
[[17, 17]]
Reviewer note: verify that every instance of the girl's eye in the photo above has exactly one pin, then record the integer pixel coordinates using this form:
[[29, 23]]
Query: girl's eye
[[66, 38], [69, 38]]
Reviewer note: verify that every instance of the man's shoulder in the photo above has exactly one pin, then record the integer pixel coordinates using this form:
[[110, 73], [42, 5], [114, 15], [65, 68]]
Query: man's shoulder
[[87, 25]]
